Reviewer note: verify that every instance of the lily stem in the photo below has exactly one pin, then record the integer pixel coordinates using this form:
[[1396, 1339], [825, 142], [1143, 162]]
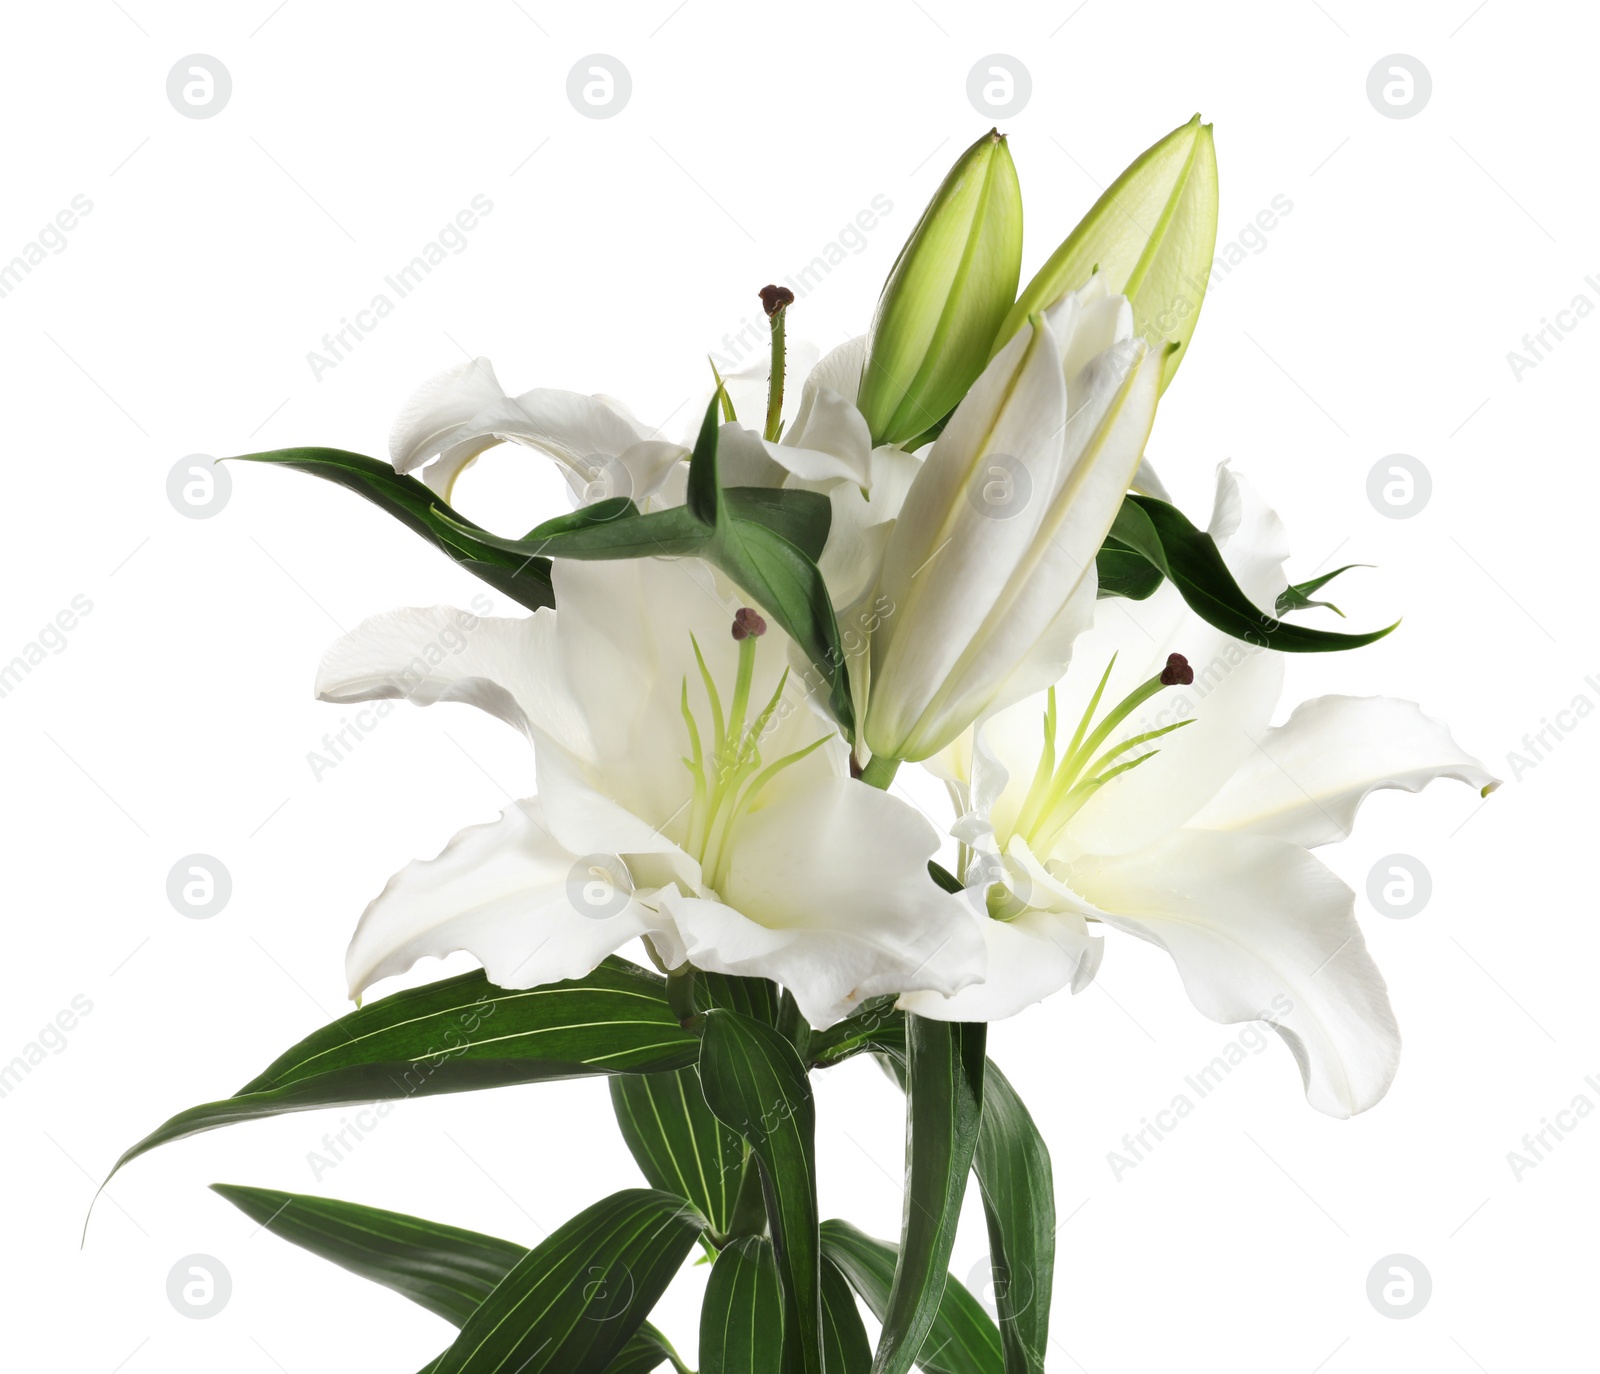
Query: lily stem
[[880, 771], [680, 992], [750, 1206]]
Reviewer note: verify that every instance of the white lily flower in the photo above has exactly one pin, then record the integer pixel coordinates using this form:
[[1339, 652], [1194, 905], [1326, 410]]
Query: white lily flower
[[1179, 816], [990, 566], [683, 777]]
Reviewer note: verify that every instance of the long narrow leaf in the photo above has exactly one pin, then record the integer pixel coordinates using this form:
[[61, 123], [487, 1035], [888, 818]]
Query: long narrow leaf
[[676, 1139], [1190, 560], [944, 1100], [755, 1083], [523, 578], [845, 1347], [1013, 1171], [572, 1303], [962, 1338], [647, 1349], [678, 1143], [442, 1268], [457, 1035]]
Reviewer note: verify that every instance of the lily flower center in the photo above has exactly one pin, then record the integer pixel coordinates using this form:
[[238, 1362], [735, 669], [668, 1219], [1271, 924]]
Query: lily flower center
[[725, 762], [1061, 789]]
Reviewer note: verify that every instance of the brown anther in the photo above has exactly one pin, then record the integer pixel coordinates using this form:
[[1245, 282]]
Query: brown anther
[[774, 298], [1177, 673], [747, 623]]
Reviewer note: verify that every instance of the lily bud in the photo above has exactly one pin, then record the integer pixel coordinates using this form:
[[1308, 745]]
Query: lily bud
[[1151, 236], [945, 297], [989, 572]]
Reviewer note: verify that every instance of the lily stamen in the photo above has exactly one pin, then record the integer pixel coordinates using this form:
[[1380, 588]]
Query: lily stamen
[[727, 770], [1058, 793]]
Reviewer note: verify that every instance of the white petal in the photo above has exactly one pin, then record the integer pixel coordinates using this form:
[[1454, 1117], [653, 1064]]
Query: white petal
[[1260, 930], [828, 893], [639, 473], [1029, 958], [1146, 483], [582, 433], [528, 910], [830, 441], [744, 459], [950, 564], [840, 368], [626, 632], [859, 533], [587, 819], [438, 407], [1308, 776], [1252, 538], [425, 655]]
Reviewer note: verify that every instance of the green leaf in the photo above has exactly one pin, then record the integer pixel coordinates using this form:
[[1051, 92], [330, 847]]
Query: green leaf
[[1013, 1171], [961, 1340], [741, 1319], [1151, 235], [845, 1347], [1190, 560], [442, 1268], [789, 587], [455, 1036], [803, 523], [679, 1144], [944, 1100], [1125, 573], [873, 1027], [611, 528], [647, 1349], [755, 1083], [422, 510], [571, 1303], [757, 998], [1297, 595]]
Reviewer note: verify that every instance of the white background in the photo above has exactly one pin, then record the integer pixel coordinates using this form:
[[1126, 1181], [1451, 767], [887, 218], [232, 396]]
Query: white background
[[178, 718]]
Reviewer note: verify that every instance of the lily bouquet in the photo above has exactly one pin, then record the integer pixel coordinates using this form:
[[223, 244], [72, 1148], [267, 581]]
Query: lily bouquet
[[940, 546]]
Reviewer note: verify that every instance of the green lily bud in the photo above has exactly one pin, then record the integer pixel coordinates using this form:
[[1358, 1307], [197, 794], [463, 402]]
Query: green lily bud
[[945, 297], [1151, 236]]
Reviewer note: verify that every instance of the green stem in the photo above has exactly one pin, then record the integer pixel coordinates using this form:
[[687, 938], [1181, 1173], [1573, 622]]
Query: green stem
[[775, 379], [749, 1216], [680, 992], [880, 771], [793, 1026]]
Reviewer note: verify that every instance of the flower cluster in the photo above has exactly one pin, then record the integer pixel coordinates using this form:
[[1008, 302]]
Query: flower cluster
[[1109, 752], [937, 547]]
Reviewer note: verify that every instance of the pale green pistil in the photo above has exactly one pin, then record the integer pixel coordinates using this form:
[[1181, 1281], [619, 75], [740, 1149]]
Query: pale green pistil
[[727, 765], [1060, 791]]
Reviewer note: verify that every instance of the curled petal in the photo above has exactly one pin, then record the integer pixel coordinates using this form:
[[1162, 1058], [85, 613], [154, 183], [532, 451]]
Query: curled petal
[[1028, 958], [440, 653], [528, 909], [1261, 931], [1309, 776], [438, 408]]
